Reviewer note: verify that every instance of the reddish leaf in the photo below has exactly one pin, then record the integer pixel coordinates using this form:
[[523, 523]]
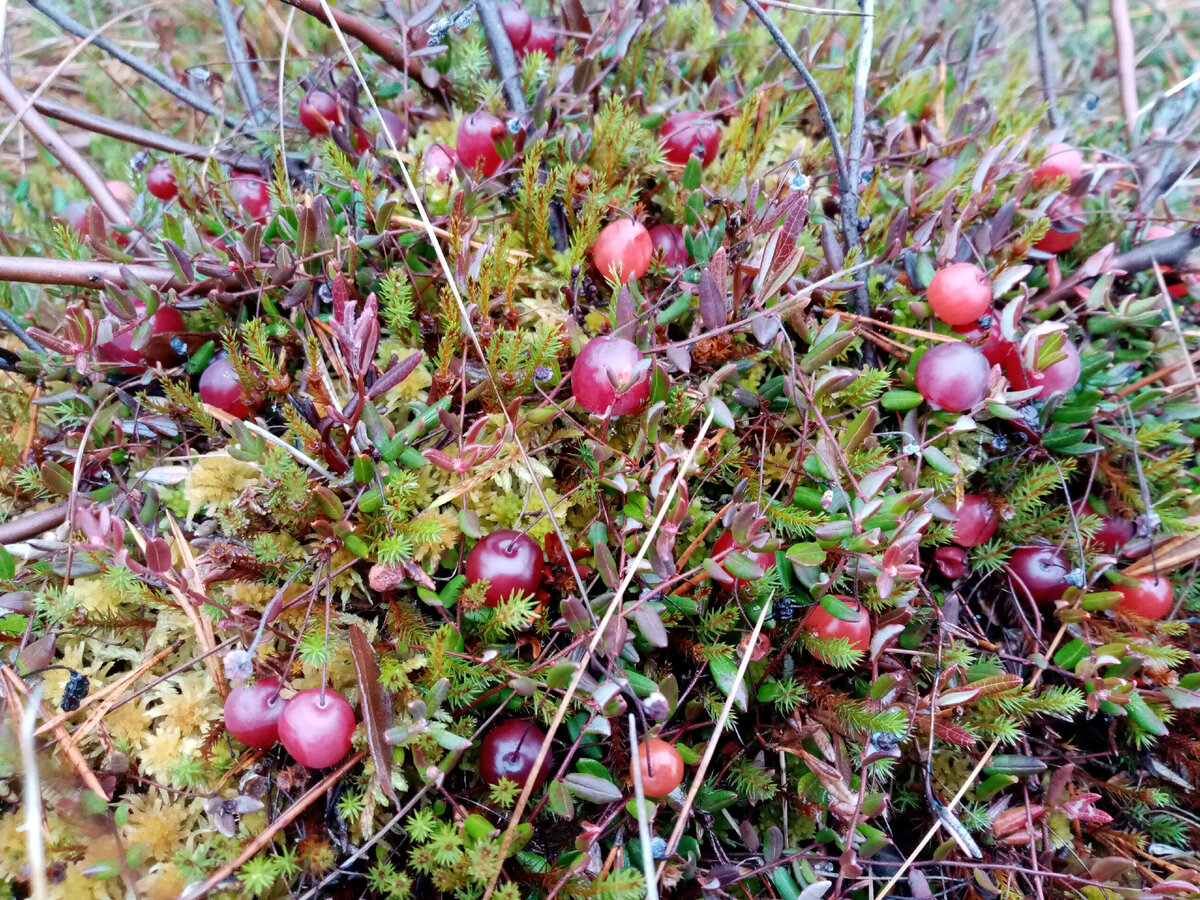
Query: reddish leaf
[[376, 709]]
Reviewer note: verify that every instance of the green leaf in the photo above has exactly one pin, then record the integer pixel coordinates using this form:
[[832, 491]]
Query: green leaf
[[840, 610], [742, 567], [691, 174], [1146, 718], [806, 554], [8, 565], [724, 673], [940, 462], [901, 400], [593, 788], [1072, 654]]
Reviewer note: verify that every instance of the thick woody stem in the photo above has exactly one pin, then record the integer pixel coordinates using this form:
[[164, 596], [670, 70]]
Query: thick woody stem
[[86, 274]]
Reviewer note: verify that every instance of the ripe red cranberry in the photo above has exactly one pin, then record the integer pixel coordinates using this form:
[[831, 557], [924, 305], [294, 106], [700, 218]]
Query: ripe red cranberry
[[953, 376], [661, 767], [542, 36], [602, 362], [517, 24], [685, 134], [319, 111], [510, 751], [120, 349], [991, 343], [960, 294], [669, 240], [1061, 159], [252, 195], [1152, 598], [252, 713], [725, 543], [623, 250], [1066, 226], [951, 561], [1060, 376], [221, 387], [821, 624], [509, 560], [439, 163], [1113, 533], [1043, 570], [476, 144], [1175, 286], [317, 734], [977, 521], [161, 181]]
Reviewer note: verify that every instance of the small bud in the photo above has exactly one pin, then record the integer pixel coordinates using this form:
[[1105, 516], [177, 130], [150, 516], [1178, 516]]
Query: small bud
[[656, 706]]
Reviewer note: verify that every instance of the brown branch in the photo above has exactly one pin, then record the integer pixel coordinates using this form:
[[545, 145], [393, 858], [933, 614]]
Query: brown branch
[[82, 273], [386, 47], [1126, 64], [67, 155], [1042, 36], [34, 523]]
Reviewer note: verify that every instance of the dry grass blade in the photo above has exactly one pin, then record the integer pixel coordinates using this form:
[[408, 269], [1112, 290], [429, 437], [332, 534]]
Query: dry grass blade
[[376, 709], [35, 846]]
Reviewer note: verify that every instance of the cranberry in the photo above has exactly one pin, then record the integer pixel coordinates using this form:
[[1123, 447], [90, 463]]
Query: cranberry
[[1058, 377], [725, 543], [1061, 159], [991, 343], [317, 734], [161, 181], [542, 36], [476, 145], [687, 134], [252, 713], [960, 294], [953, 376], [221, 387], [1113, 533], [976, 523], [951, 561], [509, 560], [669, 240], [319, 111], [121, 192], [822, 624], [517, 24], [252, 195], [1066, 226], [623, 250], [77, 215], [439, 163], [166, 320], [661, 767], [602, 362], [1175, 286], [1043, 570], [510, 751], [1152, 598]]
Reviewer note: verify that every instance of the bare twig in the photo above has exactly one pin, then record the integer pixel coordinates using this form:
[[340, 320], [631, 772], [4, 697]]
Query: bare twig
[[235, 49], [502, 54], [18, 330], [1126, 64], [851, 225], [67, 155], [1042, 35], [168, 84], [80, 273], [34, 523]]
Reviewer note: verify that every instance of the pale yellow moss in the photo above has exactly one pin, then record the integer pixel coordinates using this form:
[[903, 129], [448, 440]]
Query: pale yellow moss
[[129, 722], [217, 480], [12, 844], [163, 883], [246, 593], [188, 702], [94, 595], [160, 821], [433, 550], [164, 748]]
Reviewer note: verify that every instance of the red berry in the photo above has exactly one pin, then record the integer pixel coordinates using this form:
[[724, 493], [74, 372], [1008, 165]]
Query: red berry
[[669, 240], [976, 523], [1058, 377], [1175, 286], [1113, 533], [960, 294], [317, 734], [1043, 571], [161, 181], [510, 751], [542, 36], [953, 376], [1061, 159], [252, 713], [252, 195], [509, 560], [951, 561], [120, 349], [725, 543], [661, 767], [121, 192], [822, 624], [517, 24], [319, 112], [439, 163], [476, 147], [221, 387], [602, 362], [1152, 598], [623, 250], [685, 134], [991, 343], [1066, 226]]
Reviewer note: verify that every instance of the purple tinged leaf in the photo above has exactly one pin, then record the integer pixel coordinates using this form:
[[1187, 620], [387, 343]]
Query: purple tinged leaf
[[712, 301], [395, 374], [829, 244], [158, 555], [764, 327], [650, 625], [376, 709], [626, 315]]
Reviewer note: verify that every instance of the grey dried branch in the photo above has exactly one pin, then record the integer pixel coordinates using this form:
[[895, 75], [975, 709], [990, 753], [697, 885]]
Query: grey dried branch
[[235, 50], [502, 55]]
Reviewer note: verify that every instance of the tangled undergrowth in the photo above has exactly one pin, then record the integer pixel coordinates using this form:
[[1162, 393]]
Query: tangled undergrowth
[[401, 439]]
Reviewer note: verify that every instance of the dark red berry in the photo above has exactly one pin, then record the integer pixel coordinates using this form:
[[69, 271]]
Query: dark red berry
[[509, 560], [1042, 570], [1061, 159], [603, 362], [319, 112], [166, 320], [221, 387], [822, 624], [688, 134], [439, 163], [517, 24], [1151, 598], [252, 713], [161, 181], [317, 731], [542, 36], [623, 250], [953, 376], [1057, 377], [1066, 226], [668, 240], [476, 145], [976, 523], [951, 561], [1113, 533], [510, 751], [252, 195]]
